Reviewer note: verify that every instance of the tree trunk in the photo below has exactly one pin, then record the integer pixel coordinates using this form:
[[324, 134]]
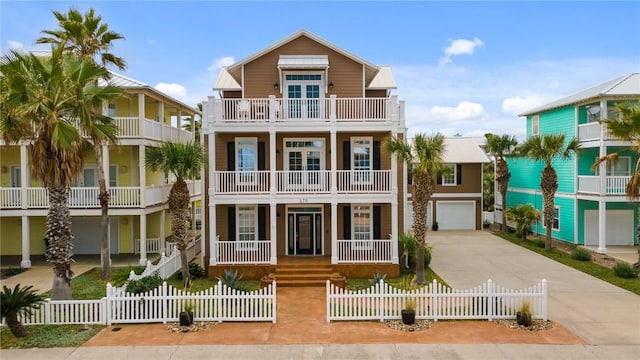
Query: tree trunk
[[17, 329], [502, 176], [549, 186], [60, 242], [103, 197], [420, 202], [179, 208]]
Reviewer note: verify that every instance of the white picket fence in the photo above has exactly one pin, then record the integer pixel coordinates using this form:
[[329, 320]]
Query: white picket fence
[[170, 263], [436, 302], [163, 304]]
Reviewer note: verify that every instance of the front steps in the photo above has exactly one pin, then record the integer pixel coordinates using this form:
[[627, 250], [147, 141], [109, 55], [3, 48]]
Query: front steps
[[299, 275]]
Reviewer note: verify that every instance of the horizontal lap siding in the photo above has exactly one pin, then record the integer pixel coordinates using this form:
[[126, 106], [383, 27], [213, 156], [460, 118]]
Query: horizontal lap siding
[[561, 121]]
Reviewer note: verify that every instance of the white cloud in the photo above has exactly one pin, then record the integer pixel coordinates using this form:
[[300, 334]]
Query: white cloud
[[464, 111], [460, 47], [219, 63], [15, 45], [174, 90], [519, 104]]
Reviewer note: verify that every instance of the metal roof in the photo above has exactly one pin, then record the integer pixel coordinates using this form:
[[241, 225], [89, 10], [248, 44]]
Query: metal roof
[[463, 150], [303, 61], [627, 85], [226, 82], [122, 81], [383, 79]]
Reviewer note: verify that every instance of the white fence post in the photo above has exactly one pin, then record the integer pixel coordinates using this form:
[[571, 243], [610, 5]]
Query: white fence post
[[108, 303], [490, 299], [544, 299]]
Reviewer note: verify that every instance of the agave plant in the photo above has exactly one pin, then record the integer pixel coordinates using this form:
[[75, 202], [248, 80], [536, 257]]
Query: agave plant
[[15, 301], [230, 278]]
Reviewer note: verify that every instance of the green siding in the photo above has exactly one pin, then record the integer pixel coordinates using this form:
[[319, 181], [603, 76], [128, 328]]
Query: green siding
[[567, 213]]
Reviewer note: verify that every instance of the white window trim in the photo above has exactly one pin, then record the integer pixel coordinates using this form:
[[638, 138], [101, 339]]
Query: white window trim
[[558, 217], [627, 159], [535, 125], [454, 174], [361, 176], [362, 244], [242, 245]]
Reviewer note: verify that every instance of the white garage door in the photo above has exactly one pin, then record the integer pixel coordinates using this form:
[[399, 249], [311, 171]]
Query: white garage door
[[87, 235], [456, 215], [619, 227]]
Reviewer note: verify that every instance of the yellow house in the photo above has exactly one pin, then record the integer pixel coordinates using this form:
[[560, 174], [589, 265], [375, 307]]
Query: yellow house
[[138, 210]]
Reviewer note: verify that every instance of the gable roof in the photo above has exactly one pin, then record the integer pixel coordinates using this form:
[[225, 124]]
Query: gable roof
[[371, 70], [463, 150], [627, 85]]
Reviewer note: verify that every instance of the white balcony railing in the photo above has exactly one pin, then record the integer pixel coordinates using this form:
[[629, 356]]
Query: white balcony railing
[[130, 128], [324, 109], [369, 181], [364, 251], [614, 185], [87, 197], [592, 131], [243, 252], [319, 181]]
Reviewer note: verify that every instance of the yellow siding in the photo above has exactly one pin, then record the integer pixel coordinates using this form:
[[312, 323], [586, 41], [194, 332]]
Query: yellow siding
[[11, 234], [124, 227]]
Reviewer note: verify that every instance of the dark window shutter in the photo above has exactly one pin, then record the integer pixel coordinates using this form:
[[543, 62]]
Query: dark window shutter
[[347, 222], [346, 155], [261, 155], [232, 222], [376, 155], [459, 173], [439, 178], [231, 156], [376, 223], [262, 223]]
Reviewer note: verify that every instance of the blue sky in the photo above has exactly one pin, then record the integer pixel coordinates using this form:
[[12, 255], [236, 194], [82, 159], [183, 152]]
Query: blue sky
[[462, 67]]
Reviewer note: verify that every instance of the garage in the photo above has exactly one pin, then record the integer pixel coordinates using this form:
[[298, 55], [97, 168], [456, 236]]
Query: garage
[[86, 232], [619, 227], [456, 215]]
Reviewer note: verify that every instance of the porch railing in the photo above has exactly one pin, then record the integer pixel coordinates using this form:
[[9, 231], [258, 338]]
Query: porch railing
[[232, 182], [317, 181], [364, 251], [243, 252], [592, 131], [325, 109], [364, 181], [614, 185]]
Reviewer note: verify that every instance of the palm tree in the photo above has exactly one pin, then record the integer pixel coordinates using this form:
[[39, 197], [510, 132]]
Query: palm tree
[[627, 128], [524, 215], [15, 301], [425, 157], [40, 97], [184, 161], [87, 36], [546, 148], [499, 147]]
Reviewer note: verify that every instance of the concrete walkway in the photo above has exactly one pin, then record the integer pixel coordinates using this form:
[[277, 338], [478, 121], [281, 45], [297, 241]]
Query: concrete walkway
[[596, 311]]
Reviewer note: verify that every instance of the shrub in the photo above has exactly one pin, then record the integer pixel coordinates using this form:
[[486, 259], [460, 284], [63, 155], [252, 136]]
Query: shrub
[[523, 316], [625, 270], [377, 278], [15, 301], [581, 254], [144, 284], [231, 278], [195, 271], [539, 243]]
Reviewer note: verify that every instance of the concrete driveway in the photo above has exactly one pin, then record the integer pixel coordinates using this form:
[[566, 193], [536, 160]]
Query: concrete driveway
[[596, 311]]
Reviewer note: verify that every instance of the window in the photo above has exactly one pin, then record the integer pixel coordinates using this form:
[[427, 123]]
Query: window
[[556, 219], [449, 175], [247, 223], [246, 159], [112, 112], [362, 161], [621, 167], [535, 125], [362, 226], [113, 175]]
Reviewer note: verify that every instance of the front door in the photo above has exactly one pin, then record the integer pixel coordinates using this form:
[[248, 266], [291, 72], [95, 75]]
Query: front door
[[303, 93], [304, 227]]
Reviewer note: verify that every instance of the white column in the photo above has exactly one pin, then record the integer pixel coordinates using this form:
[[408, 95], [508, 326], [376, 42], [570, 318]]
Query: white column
[[211, 223], [143, 239], [334, 164], [105, 164], [394, 208], [143, 175], [163, 135], [141, 114], [334, 232], [272, 162], [602, 226], [602, 178], [162, 233], [24, 176], [26, 250], [274, 234]]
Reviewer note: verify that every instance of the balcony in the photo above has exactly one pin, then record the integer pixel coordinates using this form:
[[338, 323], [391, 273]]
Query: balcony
[[330, 109], [129, 128], [258, 182], [87, 197], [614, 185], [594, 131]]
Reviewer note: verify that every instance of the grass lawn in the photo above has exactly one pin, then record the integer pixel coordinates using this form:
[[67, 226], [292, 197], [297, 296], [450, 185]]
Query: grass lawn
[[47, 336], [429, 276], [587, 267]]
